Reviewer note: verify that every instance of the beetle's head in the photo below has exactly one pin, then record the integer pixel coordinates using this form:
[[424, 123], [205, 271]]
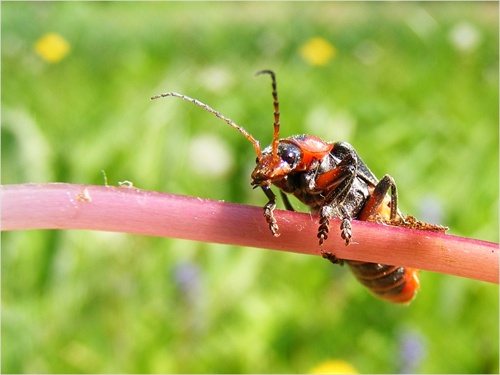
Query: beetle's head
[[271, 167], [295, 154]]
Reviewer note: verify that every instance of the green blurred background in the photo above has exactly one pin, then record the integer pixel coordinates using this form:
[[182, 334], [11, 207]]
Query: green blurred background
[[412, 86]]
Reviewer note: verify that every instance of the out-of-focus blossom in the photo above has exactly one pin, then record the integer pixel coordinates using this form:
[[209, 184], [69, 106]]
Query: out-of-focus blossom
[[52, 47], [465, 37], [431, 209], [317, 51], [334, 366], [412, 352], [210, 156], [216, 79], [188, 280]]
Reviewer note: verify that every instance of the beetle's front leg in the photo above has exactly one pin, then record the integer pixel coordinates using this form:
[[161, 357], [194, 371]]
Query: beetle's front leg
[[269, 210]]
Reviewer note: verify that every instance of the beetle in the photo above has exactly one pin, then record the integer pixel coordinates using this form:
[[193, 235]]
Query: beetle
[[334, 182]]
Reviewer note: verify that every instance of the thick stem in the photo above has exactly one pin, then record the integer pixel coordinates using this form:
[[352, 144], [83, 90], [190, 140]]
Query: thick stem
[[130, 210]]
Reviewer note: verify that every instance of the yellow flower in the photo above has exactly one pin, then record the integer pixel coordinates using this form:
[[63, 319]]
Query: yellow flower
[[334, 366], [52, 47], [317, 51]]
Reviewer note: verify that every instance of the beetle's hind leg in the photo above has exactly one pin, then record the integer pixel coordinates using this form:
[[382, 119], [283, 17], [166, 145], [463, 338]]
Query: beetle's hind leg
[[376, 200]]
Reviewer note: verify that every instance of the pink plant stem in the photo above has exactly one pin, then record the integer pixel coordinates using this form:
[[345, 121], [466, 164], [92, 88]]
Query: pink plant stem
[[130, 210]]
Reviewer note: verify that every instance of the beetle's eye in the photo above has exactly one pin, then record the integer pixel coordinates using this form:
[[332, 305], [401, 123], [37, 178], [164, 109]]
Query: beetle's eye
[[290, 154], [289, 157], [256, 160]]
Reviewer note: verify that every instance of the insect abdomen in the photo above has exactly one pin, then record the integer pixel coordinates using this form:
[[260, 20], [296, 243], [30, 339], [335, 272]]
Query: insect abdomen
[[393, 283]]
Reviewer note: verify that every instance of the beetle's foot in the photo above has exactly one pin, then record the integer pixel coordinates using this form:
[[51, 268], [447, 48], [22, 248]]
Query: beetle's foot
[[346, 230], [324, 223], [332, 258], [345, 225], [323, 230], [270, 219]]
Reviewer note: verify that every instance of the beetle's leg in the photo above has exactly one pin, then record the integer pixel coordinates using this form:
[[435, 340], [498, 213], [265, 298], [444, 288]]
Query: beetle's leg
[[377, 198], [286, 201], [269, 209], [324, 224], [326, 213], [345, 225], [339, 180], [332, 258]]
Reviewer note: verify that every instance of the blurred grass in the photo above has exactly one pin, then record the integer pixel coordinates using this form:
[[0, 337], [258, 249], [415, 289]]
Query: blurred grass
[[413, 87]]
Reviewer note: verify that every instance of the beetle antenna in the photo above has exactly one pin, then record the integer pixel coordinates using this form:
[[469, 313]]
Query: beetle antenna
[[217, 114], [276, 112]]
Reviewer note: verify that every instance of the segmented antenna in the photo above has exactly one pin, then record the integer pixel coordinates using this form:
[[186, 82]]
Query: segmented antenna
[[217, 114], [276, 113]]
